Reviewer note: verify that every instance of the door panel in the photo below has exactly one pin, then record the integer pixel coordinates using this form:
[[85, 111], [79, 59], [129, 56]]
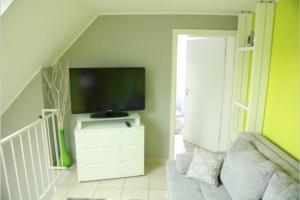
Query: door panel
[[205, 69]]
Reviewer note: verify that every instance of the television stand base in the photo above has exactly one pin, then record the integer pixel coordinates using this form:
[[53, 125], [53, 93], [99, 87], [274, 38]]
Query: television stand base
[[109, 114]]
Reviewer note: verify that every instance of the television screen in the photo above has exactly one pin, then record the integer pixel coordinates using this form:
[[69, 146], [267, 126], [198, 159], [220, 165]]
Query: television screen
[[107, 89]]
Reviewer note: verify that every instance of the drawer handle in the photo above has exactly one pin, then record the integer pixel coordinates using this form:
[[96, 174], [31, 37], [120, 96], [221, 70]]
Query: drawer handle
[[103, 147], [129, 146], [102, 164], [95, 165], [127, 161], [94, 149]]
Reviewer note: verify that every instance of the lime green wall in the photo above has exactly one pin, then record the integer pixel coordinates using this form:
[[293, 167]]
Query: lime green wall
[[282, 115]]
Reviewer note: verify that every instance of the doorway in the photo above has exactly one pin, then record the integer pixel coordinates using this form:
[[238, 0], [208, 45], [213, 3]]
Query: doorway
[[202, 85]]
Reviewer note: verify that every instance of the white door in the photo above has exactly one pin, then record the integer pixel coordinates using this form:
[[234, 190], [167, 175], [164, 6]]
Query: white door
[[205, 88]]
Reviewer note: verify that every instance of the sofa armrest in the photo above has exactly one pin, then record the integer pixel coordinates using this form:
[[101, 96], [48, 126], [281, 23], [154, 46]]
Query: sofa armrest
[[183, 161]]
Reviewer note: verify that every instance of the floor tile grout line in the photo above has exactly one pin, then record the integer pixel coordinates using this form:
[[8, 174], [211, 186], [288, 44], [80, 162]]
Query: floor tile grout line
[[122, 188], [69, 188], [94, 193]]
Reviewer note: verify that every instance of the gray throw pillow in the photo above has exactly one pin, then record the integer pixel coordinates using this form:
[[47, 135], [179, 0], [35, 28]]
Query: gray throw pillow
[[245, 174], [206, 166], [282, 187], [183, 161]]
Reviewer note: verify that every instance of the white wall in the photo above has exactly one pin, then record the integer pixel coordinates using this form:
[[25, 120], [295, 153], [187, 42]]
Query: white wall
[[33, 33], [25, 109]]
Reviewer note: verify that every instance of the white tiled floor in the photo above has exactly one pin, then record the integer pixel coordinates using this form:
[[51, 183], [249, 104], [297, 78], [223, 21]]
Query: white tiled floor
[[152, 186]]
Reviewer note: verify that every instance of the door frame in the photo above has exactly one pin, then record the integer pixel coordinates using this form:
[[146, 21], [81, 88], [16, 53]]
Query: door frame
[[176, 33]]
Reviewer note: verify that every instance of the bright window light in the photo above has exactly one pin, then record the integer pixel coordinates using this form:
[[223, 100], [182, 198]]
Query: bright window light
[[4, 5]]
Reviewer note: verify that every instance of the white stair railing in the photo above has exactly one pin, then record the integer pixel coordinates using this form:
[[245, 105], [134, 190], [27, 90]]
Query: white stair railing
[[30, 164]]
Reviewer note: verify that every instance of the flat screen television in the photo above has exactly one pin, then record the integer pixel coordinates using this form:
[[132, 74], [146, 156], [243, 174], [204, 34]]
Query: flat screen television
[[106, 92]]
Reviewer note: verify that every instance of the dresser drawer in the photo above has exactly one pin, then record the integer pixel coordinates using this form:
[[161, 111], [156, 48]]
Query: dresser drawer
[[101, 155], [111, 170], [120, 137]]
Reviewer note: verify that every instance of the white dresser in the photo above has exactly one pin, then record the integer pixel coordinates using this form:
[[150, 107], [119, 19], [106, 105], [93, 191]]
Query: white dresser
[[107, 148]]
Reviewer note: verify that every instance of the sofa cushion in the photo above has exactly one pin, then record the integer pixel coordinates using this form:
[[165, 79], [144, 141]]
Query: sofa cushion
[[245, 174], [241, 144], [206, 166], [183, 161], [282, 187], [211, 192]]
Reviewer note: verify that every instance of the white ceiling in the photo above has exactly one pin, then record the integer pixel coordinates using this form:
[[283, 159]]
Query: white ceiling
[[172, 6]]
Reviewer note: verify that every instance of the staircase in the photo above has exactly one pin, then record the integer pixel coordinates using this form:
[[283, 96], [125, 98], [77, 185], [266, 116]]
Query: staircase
[[30, 163]]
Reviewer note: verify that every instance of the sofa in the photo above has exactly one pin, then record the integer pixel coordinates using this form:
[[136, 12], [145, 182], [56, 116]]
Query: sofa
[[278, 182]]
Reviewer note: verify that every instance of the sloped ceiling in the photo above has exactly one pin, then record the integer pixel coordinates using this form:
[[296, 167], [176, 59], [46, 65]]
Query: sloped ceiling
[[33, 33], [172, 6]]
